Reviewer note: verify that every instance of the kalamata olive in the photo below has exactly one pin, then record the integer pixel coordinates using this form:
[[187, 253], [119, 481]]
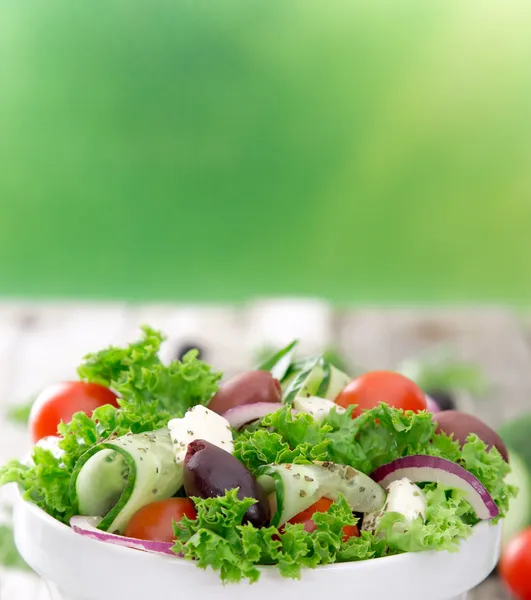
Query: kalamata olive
[[461, 425], [210, 471], [444, 399], [246, 388]]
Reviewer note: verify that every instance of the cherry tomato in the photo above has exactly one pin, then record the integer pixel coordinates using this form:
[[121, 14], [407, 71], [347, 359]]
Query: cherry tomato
[[321, 505], [154, 521], [515, 565], [59, 403], [370, 389]]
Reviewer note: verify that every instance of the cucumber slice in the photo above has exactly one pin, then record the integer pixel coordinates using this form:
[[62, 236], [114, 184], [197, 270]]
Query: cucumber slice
[[315, 376], [337, 380], [293, 371], [320, 379], [306, 382], [116, 478], [297, 487], [108, 474]]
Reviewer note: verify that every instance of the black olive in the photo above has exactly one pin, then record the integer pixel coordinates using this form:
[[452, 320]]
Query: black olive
[[210, 471], [445, 400]]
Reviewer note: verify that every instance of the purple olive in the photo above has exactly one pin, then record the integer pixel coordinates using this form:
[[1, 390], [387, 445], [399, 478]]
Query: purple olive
[[443, 399], [210, 471], [246, 388], [461, 425]]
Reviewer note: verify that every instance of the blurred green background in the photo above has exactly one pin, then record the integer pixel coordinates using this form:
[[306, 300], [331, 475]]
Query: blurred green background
[[361, 151]]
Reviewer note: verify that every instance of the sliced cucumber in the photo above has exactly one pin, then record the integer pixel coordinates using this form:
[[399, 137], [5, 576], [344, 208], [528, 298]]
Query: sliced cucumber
[[108, 473], [305, 382], [116, 478], [336, 382], [360, 491], [315, 376], [297, 487], [325, 381], [319, 378]]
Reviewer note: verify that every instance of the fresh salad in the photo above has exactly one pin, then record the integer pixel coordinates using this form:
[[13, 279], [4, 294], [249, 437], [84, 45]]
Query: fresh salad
[[293, 464]]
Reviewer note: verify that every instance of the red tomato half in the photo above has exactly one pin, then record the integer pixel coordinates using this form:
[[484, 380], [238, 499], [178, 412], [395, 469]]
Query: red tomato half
[[370, 389], [515, 565], [321, 505], [155, 521], [60, 402]]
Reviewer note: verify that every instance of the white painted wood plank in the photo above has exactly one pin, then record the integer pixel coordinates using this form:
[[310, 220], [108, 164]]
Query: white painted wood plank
[[491, 589], [40, 344], [216, 329], [12, 439], [488, 337], [10, 327], [59, 336], [19, 585], [273, 323], [43, 344]]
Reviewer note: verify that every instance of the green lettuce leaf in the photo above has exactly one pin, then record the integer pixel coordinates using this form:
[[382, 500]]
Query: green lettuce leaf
[[44, 483], [443, 528], [217, 538], [150, 392], [108, 365], [282, 437], [491, 469], [376, 437]]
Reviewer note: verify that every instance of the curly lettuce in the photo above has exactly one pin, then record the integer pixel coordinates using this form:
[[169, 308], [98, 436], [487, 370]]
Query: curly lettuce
[[443, 529], [217, 539], [151, 393], [377, 437]]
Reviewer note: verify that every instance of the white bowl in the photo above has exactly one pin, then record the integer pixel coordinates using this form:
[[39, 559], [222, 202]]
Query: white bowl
[[80, 568]]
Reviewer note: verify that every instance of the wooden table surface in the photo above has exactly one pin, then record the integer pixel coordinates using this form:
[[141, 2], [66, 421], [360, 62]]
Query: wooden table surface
[[43, 343]]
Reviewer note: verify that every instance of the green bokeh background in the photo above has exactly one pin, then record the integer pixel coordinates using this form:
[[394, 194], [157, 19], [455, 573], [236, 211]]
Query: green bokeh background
[[361, 151]]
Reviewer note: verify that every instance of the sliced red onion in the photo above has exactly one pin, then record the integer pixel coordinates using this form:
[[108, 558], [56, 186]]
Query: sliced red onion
[[87, 526], [247, 413], [421, 468], [433, 407]]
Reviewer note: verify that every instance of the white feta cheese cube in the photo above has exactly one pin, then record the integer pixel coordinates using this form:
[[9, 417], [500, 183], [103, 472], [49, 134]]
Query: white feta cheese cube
[[404, 497], [315, 406], [199, 423]]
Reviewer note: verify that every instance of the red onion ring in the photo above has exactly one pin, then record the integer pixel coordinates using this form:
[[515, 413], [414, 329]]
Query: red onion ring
[[87, 526], [420, 468]]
